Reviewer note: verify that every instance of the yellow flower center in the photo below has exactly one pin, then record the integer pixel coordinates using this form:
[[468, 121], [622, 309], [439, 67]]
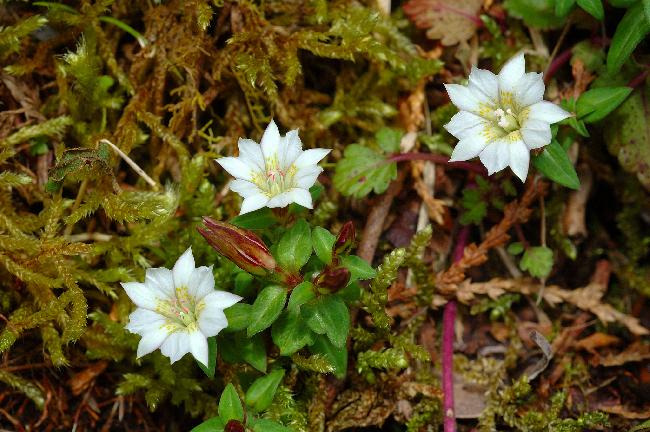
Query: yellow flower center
[[182, 311], [274, 180]]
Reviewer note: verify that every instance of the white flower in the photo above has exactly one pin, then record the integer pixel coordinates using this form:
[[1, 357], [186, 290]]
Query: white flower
[[502, 117], [178, 309], [275, 172]]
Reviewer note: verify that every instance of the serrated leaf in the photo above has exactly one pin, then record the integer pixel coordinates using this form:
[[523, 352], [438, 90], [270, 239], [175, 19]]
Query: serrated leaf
[[555, 164], [267, 308], [593, 8], [538, 261], [359, 268], [260, 394], [294, 248], [323, 242], [212, 358], [363, 170], [389, 139], [631, 30], [230, 406], [330, 316], [595, 104]]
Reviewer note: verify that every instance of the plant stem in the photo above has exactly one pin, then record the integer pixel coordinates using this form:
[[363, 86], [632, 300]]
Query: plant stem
[[439, 159], [556, 64], [448, 320]]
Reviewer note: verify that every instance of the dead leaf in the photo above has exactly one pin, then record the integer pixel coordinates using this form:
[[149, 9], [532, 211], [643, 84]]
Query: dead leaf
[[451, 21], [624, 412], [82, 380], [638, 351], [597, 340]]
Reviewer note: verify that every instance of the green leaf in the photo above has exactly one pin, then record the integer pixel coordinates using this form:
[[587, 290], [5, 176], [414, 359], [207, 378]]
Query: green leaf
[[230, 406], [258, 219], [535, 13], [631, 30], [359, 268], [260, 394], [538, 261], [323, 242], [592, 7], [300, 295], [238, 348], [294, 248], [642, 427], [389, 139], [328, 315], [554, 163], [265, 425], [215, 424], [363, 170], [351, 292], [267, 308], [646, 9], [239, 316], [337, 357], [595, 104], [212, 358], [290, 332], [563, 7], [243, 284], [515, 248]]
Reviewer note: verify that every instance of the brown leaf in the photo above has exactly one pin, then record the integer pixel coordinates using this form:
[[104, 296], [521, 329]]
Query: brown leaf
[[597, 340], [638, 351], [82, 380], [451, 21]]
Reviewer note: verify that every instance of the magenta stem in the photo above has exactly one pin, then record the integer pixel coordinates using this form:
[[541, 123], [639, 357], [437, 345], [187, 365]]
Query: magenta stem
[[439, 159], [556, 64], [639, 79], [448, 321]]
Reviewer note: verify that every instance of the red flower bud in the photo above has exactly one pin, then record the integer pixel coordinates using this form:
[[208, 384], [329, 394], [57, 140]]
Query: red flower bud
[[333, 278], [240, 246], [234, 426], [345, 238]]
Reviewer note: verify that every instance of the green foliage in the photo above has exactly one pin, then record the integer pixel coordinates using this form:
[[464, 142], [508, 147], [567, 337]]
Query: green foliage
[[631, 30], [266, 309], [375, 298], [363, 170], [555, 164], [10, 36], [538, 261], [595, 104]]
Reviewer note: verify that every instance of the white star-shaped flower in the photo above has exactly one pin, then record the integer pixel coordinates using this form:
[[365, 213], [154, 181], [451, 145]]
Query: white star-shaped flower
[[502, 117], [177, 310], [275, 172]]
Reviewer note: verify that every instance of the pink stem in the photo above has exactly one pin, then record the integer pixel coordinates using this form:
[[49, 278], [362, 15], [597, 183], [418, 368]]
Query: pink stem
[[439, 159], [448, 320], [556, 64]]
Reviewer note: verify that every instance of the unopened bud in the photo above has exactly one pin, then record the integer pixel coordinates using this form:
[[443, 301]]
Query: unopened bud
[[240, 246], [333, 278], [234, 426], [345, 238]]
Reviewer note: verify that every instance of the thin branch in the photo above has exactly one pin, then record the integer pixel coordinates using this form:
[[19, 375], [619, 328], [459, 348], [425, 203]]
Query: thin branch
[[132, 164]]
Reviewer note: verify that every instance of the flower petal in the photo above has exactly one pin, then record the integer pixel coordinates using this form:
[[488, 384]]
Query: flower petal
[[201, 282], [142, 320], [176, 346], [280, 200], [306, 177], [302, 197], [310, 157], [511, 72], [467, 148], [151, 341], [463, 121], [250, 153], [183, 269], [495, 156], [290, 149], [536, 133], [548, 112], [485, 82], [212, 320], [519, 159], [221, 299], [465, 99], [270, 141], [161, 280], [244, 188], [253, 202], [199, 346], [236, 167], [529, 89], [141, 295]]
